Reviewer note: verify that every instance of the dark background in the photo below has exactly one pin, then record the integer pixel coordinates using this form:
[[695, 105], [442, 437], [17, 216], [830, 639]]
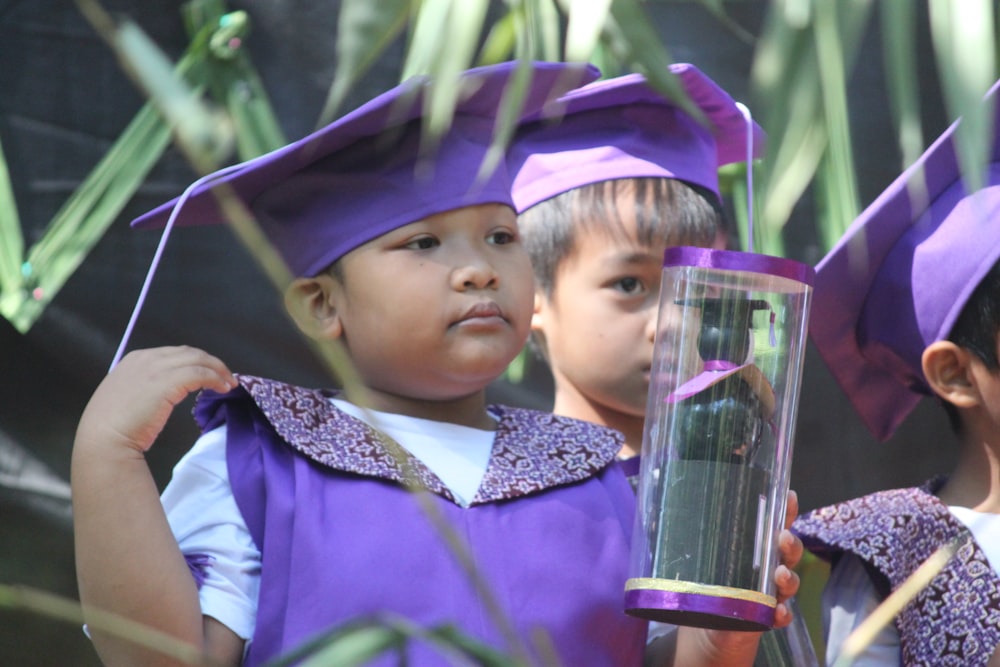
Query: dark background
[[64, 100]]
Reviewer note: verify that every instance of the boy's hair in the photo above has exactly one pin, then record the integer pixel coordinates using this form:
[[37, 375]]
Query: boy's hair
[[977, 329], [667, 211]]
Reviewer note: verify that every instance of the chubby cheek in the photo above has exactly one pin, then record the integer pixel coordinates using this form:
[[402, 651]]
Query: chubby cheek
[[521, 306]]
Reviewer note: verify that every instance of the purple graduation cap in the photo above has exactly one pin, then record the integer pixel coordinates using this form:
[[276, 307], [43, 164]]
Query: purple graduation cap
[[901, 275], [623, 128], [368, 172]]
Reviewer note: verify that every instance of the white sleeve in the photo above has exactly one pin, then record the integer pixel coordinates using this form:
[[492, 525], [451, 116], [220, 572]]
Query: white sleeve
[[205, 520], [848, 598]]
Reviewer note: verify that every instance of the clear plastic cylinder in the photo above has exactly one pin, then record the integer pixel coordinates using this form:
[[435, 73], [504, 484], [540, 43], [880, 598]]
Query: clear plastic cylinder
[[717, 446]]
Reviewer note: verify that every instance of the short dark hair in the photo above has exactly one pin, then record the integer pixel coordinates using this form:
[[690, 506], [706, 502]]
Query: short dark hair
[[667, 211], [977, 328]]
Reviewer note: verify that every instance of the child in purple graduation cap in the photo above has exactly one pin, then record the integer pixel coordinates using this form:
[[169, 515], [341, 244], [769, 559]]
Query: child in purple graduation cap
[[604, 181], [289, 516], [908, 305]]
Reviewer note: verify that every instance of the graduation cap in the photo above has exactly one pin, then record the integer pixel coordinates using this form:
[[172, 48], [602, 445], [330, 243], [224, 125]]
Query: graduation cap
[[355, 179], [726, 324], [623, 128], [725, 346], [901, 275]]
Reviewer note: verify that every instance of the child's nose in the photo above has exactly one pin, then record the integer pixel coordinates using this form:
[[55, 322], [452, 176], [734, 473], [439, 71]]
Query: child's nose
[[651, 324], [475, 273]]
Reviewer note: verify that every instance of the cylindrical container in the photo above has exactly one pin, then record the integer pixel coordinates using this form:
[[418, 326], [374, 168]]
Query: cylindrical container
[[717, 445]]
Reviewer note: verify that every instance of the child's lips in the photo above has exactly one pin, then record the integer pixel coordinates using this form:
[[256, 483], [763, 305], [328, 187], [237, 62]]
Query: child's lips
[[482, 312]]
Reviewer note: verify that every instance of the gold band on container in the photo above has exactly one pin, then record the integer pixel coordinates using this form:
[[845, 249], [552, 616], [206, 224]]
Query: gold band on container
[[675, 586]]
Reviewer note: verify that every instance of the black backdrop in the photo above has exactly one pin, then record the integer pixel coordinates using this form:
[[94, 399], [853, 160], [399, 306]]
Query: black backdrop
[[64, 100]]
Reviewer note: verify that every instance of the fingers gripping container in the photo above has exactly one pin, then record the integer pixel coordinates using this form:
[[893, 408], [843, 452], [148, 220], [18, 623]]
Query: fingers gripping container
[[717, 444]]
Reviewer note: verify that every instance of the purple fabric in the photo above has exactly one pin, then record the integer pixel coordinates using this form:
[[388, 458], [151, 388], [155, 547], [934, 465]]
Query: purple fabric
[[693, 609], [630, 466], [719, 370], [369, 172], [623, 128], [899, 277], [731, 260], [338, 543], [954, 621], [198, 564]]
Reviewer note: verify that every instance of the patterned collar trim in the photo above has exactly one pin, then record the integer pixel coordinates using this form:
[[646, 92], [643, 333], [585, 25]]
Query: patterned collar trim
[[533, 450]]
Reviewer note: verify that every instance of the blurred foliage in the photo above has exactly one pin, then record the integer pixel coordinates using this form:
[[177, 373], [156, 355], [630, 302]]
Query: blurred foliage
[[803, 59], [215, 63]]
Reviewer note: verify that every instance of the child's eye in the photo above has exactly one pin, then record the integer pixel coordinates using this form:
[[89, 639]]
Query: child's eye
[[422, 243], [501, 237], [629, 285]]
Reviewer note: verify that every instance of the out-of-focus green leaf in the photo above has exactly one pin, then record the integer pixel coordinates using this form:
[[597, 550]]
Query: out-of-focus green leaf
[[214, 59], [66, 610], [502, 38], [718, 10], [518, 368], [482, 654], [899, 28], [359, 641], [83, 218], [365, 29], [833, 211], [964, 41], [831, 43], [11, 238], [220, 63], [585, 21], [425, 47], [733, 181], [205, 134], [799, 80], [530, 30], [356, 646], [462, 21], [647, 51], [787, 104], [543, 29]]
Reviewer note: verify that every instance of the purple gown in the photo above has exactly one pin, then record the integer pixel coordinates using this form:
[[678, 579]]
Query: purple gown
[[342, 539]]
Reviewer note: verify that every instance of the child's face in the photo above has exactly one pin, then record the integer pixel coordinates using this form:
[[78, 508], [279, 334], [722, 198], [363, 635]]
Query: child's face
[[438, 308], [600, 321]]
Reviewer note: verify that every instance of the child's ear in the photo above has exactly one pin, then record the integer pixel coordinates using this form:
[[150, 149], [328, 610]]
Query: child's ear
[[538, 314], [948, 369], [311, 303]]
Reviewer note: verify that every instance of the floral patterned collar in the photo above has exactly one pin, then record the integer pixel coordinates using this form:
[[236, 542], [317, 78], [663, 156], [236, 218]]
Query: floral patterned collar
[[532, 451]]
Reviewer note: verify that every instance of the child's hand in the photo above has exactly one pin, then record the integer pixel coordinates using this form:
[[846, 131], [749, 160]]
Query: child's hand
[[132, 404], [785, 579]]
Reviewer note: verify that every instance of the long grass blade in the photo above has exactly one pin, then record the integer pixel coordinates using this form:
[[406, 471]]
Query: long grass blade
[[544, 28], [585, 21], [965, 46], [835, 53], [85, 216], [365, 29], [63, 609], [647, 51], [12, 246], [899, 27], [507, 35], [429, 23], [464, 23], [801, 94], [865, 633]]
